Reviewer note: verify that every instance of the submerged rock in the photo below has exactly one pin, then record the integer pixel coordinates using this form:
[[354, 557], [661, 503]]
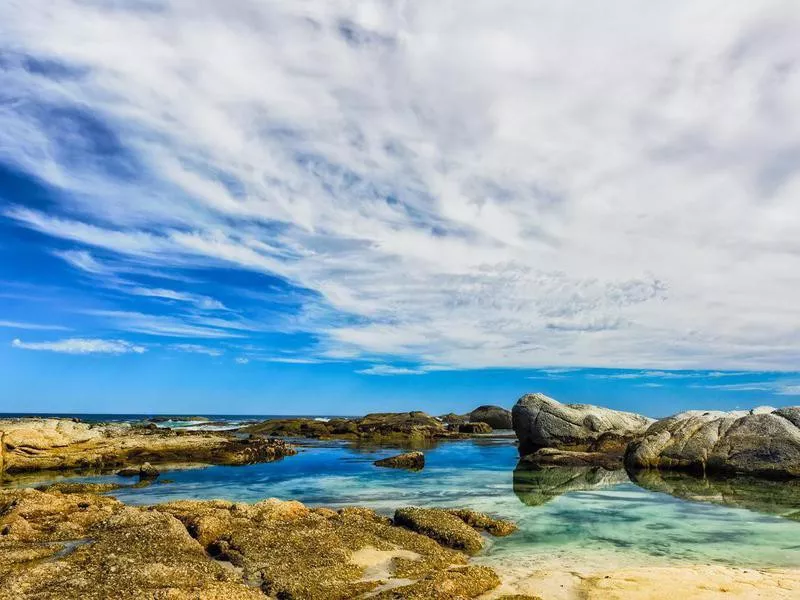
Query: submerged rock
[[407, 460], [496, 417], [61, 444], [541, 422], [759, 443]]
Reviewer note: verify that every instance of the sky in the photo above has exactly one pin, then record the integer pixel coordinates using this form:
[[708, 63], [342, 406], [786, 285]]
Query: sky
[[336, 207]]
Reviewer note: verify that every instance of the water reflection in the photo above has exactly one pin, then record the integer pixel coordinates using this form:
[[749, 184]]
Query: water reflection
[[537, 485], [762, 495]]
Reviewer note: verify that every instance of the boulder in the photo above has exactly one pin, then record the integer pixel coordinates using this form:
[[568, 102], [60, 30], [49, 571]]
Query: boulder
[[453, 419], [408, 460], [494, 416], [474, 428], [541, 422], [765, 444], [445, 526]]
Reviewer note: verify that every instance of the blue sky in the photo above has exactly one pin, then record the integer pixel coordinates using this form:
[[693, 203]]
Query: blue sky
[[324, 207]]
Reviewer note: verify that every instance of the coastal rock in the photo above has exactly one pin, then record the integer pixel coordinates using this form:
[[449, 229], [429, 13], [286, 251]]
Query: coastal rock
[[474, 428], [756, 443], [408, 460], [453, 419], [60, 444], [453, 528], [494, 416], [58, 546], [541, 422], [568, 458], [376, 427]]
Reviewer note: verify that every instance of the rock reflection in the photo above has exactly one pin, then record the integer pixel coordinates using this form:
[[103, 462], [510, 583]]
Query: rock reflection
[[781, 498], [537, 485]]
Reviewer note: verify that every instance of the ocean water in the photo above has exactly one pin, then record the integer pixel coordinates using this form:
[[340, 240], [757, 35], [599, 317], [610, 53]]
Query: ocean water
[[575, 516]]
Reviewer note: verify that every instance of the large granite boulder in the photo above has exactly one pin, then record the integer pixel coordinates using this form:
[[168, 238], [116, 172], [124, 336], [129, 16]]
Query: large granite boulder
[[541, 422], [494, 416], [757, 442]]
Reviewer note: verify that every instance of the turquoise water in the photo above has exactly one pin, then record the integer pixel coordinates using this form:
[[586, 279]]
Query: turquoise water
[[570, 514]]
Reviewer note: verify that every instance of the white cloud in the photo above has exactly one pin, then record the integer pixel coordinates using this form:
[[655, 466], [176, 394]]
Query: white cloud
[[32, 326], [390, 370], [197, 349], [242, 360], [489, 183], [82, 346]]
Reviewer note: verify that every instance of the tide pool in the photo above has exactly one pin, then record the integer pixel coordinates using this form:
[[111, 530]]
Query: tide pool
[[575, 515]]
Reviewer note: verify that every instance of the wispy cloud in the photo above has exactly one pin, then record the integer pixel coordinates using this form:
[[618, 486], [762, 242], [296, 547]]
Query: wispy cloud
[[777, 387], [82, 346], [160, 325], [386, 370], [457, 183], [242, 360], [197, 349], [32, 326]]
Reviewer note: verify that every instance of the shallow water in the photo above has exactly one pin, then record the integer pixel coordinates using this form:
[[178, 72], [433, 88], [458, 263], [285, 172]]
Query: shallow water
[[572, 515]]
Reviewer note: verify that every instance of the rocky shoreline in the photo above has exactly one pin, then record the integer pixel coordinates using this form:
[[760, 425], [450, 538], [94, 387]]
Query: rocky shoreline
[[763, 442], [30, 445], [83, 545]]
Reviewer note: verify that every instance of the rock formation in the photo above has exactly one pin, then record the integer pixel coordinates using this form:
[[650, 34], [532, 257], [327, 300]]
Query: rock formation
[[541, 422], [456, 529], [494, 416], [408, 460], [79, 545], [376, 427], [760, 442], [50, 444]]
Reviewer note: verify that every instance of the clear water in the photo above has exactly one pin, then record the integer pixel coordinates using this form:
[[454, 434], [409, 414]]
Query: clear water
[[574, 515]]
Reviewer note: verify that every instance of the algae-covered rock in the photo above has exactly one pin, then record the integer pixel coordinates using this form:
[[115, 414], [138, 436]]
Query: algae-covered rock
[[496, 417], [441, 525], [474, 428], [453, 419], [407, 460], [482, 521], [409, 426], [93, 547]]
